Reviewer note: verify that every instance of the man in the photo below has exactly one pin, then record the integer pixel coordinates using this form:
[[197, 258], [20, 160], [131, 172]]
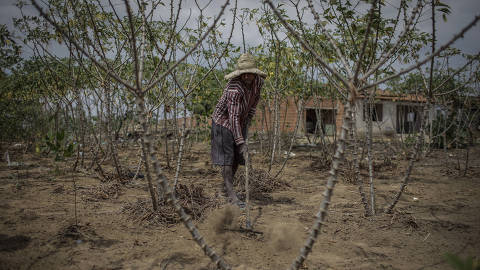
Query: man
[[231, 118]]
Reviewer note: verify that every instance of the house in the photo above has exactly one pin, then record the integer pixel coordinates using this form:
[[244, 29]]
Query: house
[[390, 114]]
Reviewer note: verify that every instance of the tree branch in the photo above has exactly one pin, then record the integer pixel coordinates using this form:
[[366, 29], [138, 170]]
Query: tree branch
[[419, 63]]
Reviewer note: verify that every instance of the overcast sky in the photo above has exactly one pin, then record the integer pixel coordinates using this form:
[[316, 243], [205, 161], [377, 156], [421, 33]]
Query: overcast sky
[[463, 11]]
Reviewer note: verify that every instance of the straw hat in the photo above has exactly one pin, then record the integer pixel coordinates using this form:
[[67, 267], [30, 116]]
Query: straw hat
[[245, 64]]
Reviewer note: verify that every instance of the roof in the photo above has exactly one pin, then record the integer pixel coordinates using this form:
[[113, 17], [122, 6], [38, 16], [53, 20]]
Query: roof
[[389, 95]]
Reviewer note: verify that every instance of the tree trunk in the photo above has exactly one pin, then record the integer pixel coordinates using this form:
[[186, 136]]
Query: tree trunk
[[141, 112], [275, 131], [332, 180], [165, 131], [180, 148], [414, 156], [292, 140], [356, 162], [369, 156], [108, 126]]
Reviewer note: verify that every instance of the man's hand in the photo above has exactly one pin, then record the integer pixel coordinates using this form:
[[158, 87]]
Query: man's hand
[[249, 123], [243, 149]]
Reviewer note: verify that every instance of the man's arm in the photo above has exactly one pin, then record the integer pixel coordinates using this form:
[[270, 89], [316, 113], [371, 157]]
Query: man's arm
[[234, 112], [252, 111]]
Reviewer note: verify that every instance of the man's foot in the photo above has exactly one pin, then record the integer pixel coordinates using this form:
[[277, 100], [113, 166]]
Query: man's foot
[[237, 202], [240, 204], [228, 173]]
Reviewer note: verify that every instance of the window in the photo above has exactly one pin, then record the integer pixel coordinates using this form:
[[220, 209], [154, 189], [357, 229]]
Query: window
[[326, 125], [409, 118], [375, 111]]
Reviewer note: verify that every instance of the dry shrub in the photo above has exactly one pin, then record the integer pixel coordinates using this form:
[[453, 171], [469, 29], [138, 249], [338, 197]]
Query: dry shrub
[[348, 176], [58, 190], [260, 184], [384, 165], [380, 164], [191, 198], [124, 177], [76, 234], [404, 219], [107, 190], [194, 200], [69, 234], [111, 185], [347, 172], [142, 211], [323, 162]]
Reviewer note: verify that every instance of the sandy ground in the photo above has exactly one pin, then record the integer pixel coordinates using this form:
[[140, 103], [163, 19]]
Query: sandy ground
[[439, 213]]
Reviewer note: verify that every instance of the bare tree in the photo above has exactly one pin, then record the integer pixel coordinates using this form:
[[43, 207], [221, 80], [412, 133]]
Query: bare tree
[[350, 82]]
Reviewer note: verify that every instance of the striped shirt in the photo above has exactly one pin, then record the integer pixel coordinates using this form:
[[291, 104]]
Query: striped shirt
[[237, 106]]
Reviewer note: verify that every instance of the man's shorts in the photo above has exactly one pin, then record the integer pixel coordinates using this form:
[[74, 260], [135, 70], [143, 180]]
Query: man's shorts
[[224, 150]]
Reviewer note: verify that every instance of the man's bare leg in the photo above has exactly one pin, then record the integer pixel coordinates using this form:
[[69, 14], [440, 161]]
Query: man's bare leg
[[234, 169], [228, 173]]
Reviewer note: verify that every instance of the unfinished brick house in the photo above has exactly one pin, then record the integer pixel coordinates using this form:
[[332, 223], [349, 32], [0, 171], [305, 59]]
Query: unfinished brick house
[[391, 113]]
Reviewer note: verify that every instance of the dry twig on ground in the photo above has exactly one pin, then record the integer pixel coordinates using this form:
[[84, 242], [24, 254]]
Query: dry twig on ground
[[192, 198], [261, 184]]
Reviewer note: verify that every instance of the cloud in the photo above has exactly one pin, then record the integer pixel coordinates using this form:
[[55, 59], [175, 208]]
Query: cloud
[[462, 13]]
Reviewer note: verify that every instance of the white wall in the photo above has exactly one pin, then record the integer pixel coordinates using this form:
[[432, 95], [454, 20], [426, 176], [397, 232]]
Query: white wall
[[388, 122]]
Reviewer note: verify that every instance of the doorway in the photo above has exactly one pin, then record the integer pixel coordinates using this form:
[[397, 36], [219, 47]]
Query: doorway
[[408, 118], [326, 125]]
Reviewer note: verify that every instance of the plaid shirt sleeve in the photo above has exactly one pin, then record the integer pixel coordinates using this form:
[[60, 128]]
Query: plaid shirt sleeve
[[259, 84], [234, 112]]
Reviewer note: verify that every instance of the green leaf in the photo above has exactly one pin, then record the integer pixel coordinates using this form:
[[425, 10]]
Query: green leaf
[[49, 144], [457, 263], [60, 135], [69, 151], [444, 10]]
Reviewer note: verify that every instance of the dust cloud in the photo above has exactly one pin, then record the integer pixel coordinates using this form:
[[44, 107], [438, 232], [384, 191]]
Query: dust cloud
[[283, 237], [224, 219]]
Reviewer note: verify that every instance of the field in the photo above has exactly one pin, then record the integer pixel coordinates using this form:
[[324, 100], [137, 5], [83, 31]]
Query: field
[[439, 213], [99, 99]]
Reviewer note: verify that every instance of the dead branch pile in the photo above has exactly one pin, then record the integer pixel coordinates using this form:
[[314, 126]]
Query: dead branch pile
[[347, 172], [106, 190], [124, 177], [261, 183], [76, 234], [111, 185], [141, 211], [321, 163], [406, 220], [67, 235], [192, 198], [380, 165], [384, 165]]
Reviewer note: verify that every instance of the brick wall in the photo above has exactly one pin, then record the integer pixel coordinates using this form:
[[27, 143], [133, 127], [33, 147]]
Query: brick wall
[[288, 114], [265, 115], [263, 120]]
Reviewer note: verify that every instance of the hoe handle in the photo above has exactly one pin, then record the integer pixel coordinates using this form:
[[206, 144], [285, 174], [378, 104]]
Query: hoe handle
[[248, 224]]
